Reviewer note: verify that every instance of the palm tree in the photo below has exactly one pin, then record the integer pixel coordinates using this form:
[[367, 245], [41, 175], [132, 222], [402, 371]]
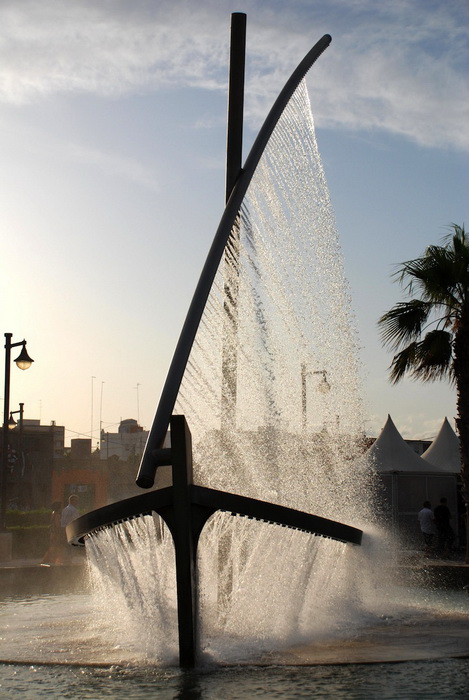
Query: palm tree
[[430, 331]]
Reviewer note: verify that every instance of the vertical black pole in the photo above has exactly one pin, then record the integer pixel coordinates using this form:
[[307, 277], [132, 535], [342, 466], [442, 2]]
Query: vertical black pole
[[6, 411], [21, 456], [234, 145], [234, 148], [181, 458]]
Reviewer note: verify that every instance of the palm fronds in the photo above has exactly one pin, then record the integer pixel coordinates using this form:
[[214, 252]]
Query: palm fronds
[[439, 283], [427, 360], [404, 322]]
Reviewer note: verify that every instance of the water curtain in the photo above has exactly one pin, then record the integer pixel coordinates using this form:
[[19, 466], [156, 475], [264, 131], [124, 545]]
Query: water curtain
[[266, 337]]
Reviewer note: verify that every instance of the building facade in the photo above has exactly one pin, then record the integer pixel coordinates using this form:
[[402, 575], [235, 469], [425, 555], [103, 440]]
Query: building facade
[[33, 450], [127, 444]]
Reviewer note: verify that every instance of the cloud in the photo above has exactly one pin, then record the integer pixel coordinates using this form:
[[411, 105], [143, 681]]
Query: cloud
[[104, 48], [397, 67], [406, 74]]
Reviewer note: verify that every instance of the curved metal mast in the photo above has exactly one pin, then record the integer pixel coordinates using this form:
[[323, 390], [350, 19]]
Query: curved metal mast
[[184, 506], [236, 189]]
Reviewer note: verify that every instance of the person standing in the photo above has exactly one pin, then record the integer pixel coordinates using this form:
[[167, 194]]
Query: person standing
[[69, 513], [445, 531], [53, 554], [427, 526]]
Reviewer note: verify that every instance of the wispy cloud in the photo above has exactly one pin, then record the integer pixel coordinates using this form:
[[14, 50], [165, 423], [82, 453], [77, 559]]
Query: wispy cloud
[[404, 70], [398, 67]]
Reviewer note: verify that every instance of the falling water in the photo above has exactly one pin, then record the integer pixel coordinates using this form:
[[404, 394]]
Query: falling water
[[277, 329], [277, 326], [133, 572]]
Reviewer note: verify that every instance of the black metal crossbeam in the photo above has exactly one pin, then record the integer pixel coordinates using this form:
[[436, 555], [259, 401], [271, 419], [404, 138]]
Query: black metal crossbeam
[[204, 503], [186, 508]]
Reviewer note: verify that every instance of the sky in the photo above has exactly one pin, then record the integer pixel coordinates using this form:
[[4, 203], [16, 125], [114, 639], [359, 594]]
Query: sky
[[112, 141]]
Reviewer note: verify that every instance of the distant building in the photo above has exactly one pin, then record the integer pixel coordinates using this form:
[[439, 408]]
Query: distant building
[[83, 474], [33, 428], [127, 444], [419, 446], [32, 453], [102, 476]]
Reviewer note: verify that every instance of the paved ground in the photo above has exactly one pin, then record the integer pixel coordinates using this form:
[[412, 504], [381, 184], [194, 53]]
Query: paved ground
[[30, 577], [25, 563]]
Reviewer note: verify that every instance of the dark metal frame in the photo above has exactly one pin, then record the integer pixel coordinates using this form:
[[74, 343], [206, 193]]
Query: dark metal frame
[[147, 471], [6, 414], [185, 508]]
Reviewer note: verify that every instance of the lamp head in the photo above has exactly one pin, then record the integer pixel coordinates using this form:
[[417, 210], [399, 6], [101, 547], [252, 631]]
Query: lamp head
[[23, 361], [11, 423]]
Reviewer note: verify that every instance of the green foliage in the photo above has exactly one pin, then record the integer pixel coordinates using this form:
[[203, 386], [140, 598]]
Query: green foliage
[[28, 518], [430, 332], [423, 329]]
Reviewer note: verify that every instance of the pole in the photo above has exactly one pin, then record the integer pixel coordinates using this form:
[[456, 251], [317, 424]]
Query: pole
[[234, 144], [186, 585], [101, 416], [234, 148], [146, 473], [21, 439], [91, 421], [6, 415]]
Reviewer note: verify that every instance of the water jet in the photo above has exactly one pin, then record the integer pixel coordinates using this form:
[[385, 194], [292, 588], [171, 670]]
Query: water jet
[[268, 449], [234, 299]]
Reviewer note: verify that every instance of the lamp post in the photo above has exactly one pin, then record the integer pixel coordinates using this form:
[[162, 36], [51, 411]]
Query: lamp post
[[323, 387], [12, 423], [12, 426], [23, 361]]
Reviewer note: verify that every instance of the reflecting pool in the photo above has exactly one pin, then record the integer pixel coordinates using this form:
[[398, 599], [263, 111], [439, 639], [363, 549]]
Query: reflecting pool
[[56, 646]]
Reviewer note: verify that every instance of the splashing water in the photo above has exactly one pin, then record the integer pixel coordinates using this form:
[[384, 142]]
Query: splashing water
[[277, 318], [133, 572], [277, 327]]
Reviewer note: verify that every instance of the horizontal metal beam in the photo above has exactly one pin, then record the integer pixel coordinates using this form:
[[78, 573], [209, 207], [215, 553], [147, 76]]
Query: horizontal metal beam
[[273, 513], [204, 503], [114, 513]]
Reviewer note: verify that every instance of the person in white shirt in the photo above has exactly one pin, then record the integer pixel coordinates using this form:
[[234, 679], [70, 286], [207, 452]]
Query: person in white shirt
[[427, 526], [69, 513]]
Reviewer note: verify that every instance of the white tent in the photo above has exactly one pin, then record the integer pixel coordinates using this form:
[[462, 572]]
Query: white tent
[[390, 453], [443, 453], [407, 480]]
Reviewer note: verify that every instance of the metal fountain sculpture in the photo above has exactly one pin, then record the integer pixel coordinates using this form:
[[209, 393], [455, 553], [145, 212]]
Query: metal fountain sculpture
[[184, 506]]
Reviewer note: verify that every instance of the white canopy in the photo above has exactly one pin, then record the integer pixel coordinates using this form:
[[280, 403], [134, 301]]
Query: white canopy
[[444, 453], [391, 453]]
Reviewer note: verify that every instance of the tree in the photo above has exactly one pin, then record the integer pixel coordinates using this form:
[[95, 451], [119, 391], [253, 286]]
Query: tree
[[430, 332]]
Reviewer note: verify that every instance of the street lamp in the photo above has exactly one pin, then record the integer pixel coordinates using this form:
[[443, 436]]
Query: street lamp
[[12, 423], [23, 361], [12, 426], [323, 387]]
